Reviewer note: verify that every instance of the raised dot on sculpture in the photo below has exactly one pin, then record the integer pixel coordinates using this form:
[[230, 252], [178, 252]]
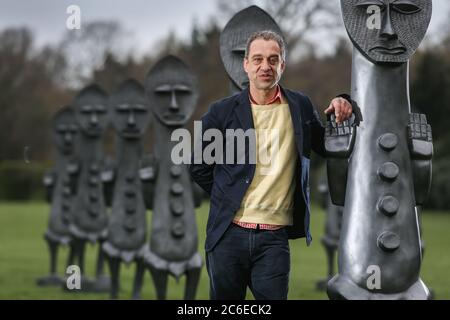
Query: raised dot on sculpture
[[177, 208], [93, 181], [178, 229], [94, 168], [388, 141], [388, 241], [130, 193], [388, 171], [93, 198], [388, 205], [93, 212], [129, 224], [66, 192], [177, 188], [175, 171]]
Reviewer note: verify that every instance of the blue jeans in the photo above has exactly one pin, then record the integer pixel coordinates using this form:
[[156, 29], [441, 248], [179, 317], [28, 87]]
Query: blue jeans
[[259, 259]]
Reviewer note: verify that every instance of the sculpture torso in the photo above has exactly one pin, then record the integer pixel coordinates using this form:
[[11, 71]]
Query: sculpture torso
[[90, 217], [380, 193], [127, 226], [62, 197], [174, 229]]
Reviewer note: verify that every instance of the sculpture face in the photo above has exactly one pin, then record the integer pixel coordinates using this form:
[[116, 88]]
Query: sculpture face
[[172, 91], [91, 110], [130, 112], [233, 40], [402, 28], [65, 130]]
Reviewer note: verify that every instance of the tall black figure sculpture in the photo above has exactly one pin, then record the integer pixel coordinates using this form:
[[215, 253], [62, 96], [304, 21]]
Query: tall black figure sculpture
[[233, 40], [60, 191], [330, 239], [130, 116], [90, 218], [172, 92], [389, 158]]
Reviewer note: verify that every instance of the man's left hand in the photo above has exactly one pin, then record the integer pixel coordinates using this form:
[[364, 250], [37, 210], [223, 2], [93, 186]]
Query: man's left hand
[[341, 108]]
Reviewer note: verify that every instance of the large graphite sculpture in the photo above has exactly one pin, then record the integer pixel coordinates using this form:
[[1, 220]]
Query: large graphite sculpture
[[233, 40], [388, 157], [171, 89], [130, 116], [60, 192], [90, 218]]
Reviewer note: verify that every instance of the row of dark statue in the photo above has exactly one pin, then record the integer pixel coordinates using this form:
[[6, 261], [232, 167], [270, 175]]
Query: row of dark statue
[[379, 166], [105, 202]]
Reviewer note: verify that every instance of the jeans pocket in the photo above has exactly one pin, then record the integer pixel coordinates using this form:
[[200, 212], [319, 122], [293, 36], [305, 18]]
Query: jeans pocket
[[280, 234]]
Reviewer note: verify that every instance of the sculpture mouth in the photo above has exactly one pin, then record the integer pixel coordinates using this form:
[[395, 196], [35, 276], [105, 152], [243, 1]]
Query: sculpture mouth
[[392, 51], [174, 118], [392, 47], [94, 131], [131, 133]]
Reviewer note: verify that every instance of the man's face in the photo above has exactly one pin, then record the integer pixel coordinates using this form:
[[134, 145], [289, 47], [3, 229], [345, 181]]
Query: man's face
[[264, 65], [401, 28], [233, 40]]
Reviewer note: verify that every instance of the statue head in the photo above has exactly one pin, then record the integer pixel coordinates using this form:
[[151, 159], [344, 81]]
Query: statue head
[[90, 106], [386, 31], [233, 40], [130, 114], [171, 89], [65, 129]]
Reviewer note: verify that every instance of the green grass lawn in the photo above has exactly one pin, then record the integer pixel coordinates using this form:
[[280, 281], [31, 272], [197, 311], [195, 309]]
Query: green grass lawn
[[24, 257]]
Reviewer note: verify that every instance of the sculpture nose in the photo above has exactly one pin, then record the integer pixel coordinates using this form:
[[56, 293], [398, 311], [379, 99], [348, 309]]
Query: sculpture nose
[[131, 120], [67, 138], [173, 102], [387, 31], [94, 119]]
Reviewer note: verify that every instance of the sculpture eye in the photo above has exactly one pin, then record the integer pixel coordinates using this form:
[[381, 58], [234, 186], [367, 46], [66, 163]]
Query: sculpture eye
[[365, 4], [405, 7]]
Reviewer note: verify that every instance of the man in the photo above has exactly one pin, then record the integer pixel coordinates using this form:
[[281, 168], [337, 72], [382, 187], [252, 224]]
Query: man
[[252, 212]]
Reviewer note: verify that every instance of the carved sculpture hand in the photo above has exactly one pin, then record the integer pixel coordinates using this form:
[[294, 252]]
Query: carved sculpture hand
[[421, 148], [339, 142]]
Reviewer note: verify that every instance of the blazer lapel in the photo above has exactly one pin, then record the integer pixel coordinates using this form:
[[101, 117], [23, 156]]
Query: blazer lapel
[[296, 117], [295, 111], [243, 110]]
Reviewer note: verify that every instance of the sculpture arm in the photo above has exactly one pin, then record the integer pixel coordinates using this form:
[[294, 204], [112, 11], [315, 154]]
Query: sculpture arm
[[203, 173], [73, 170], [339, 143], [421, 149], [147, 174], [108, 177], [48, 181]]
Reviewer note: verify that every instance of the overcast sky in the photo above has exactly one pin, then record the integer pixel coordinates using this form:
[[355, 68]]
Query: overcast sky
[[147, 20]]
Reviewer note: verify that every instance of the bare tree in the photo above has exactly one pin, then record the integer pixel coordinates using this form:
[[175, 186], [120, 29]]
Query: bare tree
[[301, 21], [87, 48]]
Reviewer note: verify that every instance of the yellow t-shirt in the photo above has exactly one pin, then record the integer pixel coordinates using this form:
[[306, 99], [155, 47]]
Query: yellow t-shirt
[[269, 198]]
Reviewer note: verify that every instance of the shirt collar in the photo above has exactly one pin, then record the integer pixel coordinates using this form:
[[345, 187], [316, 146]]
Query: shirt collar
[[276, 98]]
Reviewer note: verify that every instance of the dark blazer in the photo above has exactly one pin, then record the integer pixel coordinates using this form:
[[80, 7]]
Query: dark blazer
[[227, 183]]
